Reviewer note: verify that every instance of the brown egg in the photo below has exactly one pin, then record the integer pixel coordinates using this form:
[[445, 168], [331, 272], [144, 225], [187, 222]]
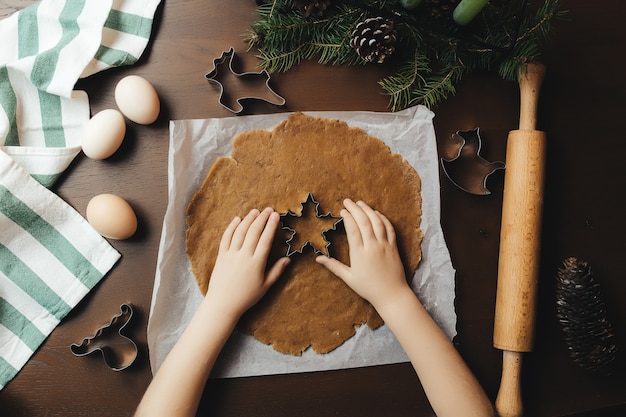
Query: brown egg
[[112, 216]]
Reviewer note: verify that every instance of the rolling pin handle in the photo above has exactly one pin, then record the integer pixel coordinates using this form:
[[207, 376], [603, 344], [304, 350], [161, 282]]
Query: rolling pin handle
[[509, 399], [529, 80]]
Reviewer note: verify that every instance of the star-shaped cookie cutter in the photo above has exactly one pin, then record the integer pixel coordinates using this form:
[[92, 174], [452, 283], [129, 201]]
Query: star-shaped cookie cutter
[[291, 214], [245, 81], [118, 351]]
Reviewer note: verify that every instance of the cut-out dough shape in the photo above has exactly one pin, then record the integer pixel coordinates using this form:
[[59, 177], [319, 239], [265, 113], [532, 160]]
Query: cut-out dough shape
[[463, 165]]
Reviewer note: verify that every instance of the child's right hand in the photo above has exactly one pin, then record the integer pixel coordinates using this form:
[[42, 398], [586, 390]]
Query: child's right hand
[[376, 272]]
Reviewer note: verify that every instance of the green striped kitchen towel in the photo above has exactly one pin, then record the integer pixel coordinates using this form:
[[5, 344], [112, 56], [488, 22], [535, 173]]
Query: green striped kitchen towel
[[46, 48], [50, 258]]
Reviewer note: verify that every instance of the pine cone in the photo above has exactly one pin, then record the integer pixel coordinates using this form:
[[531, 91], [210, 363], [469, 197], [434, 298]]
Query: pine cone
[[374, 39], [312, 7], [581, 312], [441, 9]]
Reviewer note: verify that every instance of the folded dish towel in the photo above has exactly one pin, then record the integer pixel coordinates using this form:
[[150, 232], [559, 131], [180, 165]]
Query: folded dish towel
[[46, 48], [50, 258]]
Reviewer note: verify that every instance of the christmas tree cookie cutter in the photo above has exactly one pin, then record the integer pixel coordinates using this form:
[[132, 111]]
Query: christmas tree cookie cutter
[[242, 87], [118, 351], [291, 240], [463, 165]]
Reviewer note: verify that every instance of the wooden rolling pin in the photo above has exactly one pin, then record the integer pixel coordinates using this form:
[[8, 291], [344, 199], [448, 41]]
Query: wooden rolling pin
[[520, 235]]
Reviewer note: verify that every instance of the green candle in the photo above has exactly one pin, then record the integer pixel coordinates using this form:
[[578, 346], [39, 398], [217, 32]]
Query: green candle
[[467, 10]]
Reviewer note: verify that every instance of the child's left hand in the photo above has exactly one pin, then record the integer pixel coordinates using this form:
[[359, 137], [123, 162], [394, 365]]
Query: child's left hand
[[239, 278]]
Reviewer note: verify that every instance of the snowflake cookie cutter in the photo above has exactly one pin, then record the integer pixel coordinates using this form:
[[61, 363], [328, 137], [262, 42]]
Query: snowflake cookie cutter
[[463, 165], [240, 84], [291, 214], [118, 351]]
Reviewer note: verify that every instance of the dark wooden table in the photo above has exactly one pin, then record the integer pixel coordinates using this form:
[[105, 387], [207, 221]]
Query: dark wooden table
[[582, 109]]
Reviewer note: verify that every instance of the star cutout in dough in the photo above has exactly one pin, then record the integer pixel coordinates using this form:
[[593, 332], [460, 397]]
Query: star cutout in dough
[[308, 227]]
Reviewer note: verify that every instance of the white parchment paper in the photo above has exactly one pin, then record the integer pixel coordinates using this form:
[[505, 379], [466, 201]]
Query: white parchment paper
[[194, 146]]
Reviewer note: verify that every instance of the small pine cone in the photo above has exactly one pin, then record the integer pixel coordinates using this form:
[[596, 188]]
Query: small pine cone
[[441, 9], [581, 312], [312, 7], [374, 39]]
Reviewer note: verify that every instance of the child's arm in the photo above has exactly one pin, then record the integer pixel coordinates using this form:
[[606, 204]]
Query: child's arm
[[376, 273], [237, 282]]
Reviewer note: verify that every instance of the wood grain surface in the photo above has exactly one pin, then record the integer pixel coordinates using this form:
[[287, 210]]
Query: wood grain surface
[[581, 109]]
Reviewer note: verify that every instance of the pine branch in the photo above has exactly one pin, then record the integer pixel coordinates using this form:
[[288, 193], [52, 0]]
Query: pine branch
[[409, 87], [400, 86], [285, 40], [432, 57], [527, 46]]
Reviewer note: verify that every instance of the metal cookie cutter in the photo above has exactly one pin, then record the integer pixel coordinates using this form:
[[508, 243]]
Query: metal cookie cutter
[[118, 351], [463, 164], [291, 215], [241, 86]]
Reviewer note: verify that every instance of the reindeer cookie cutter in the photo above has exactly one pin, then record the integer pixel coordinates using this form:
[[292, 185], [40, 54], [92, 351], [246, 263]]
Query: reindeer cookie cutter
[[118, 351], [242, 87]]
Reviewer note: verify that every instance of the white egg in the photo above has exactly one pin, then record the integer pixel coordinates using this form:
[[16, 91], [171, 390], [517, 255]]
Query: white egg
[[137, 99], [111, 216], [103, 134]]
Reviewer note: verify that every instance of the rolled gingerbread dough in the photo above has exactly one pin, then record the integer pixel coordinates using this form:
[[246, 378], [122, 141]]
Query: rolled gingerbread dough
[[309, 306]]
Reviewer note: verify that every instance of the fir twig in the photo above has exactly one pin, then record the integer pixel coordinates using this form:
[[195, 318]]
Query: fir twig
[[431, 58]]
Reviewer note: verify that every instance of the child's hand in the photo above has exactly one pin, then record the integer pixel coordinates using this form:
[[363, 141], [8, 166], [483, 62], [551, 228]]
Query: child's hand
[[376, 272], [239, 278]]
